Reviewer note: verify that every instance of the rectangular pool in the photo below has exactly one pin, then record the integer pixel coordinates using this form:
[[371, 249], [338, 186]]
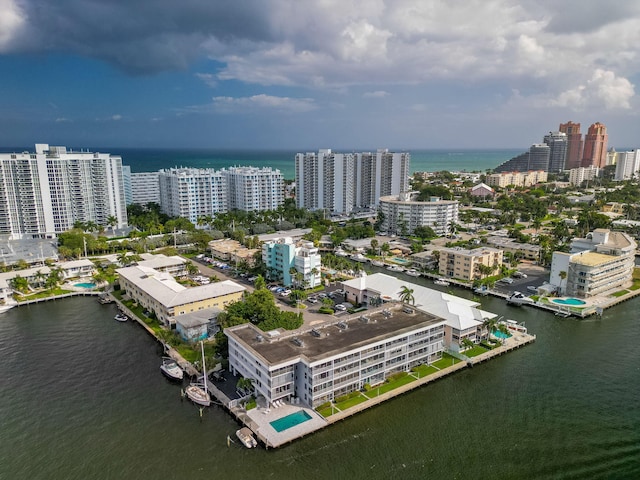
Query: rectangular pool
[[291, 420]]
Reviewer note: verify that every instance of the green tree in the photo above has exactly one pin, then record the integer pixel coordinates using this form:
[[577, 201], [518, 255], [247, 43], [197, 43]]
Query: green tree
[[406, 295]]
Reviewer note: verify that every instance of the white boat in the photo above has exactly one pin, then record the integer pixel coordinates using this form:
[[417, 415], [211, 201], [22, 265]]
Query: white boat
[[121, 317], [377, 263], [413, 272], [442, 281], [481, 290], [171, 369], [515, 326], [246, 437], [4, 308], [197, 391], [517, 298], [395, 268], [341, 253], [358, 257]]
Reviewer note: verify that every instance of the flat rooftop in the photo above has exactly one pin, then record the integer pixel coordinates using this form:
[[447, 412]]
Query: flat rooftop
[[331, 339], [593, 259]]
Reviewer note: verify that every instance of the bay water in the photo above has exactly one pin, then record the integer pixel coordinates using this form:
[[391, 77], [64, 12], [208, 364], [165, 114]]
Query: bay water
[[82, 397]]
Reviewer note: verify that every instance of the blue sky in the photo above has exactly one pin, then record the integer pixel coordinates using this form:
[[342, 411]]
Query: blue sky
[[305, 75]]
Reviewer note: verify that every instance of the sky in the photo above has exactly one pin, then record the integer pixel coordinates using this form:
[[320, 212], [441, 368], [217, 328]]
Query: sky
[[290, 74]]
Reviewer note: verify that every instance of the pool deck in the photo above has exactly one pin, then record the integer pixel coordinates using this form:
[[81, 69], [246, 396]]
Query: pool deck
[[259, 421]]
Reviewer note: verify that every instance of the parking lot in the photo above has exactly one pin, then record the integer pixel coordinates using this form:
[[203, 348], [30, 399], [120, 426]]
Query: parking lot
[[536, 276]]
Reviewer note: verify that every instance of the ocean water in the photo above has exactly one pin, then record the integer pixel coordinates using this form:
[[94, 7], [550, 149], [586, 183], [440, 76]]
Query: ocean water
[[148, 160], [82, 397]]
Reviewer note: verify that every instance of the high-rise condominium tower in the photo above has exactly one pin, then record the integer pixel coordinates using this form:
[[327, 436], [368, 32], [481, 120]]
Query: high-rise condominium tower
[[574, 144], [557, 142], [595, 146], [45, 193], [342, 183]]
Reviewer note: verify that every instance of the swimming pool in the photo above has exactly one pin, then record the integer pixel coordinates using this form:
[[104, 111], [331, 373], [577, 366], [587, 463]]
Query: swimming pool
[[84, 285], [500, 334], [568, 301], [399, 261], [289, 421]]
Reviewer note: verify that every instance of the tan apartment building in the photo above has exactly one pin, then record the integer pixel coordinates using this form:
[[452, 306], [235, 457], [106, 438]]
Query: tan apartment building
[[160, 294], [464, 264], [517, 179]]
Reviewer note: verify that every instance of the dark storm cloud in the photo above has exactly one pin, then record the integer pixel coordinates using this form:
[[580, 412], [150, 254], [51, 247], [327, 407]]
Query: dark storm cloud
[[139, 36]]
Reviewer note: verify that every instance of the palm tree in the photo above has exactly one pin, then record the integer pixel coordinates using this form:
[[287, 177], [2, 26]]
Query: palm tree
[[490, 325], [244, 384], [563, 276], [112, 221], [406, 295], [314, 272]]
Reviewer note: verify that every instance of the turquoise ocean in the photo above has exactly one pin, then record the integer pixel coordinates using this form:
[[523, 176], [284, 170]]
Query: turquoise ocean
[[149, 160]]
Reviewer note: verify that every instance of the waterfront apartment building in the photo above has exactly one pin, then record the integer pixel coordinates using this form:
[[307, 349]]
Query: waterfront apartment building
[[466, 264], [192, 193], [320, 364], [254, 189], [537, 158], [600, 263], [403, 213], [517, 179], [284, 261], [583, 174], [159, 293], [145, 188], [343, 183], [595, 146], [627, 165], [557, 142], [44, 193]]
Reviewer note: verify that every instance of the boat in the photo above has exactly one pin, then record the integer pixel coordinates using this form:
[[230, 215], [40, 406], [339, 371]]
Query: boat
[[171, 369], [341, 253], [442, 282], [121, 317], [246, 437], [377, 263], [4, 308], [358, 257], [481, 290], [413, 272], [197, 391], [515, 326], [395, 268], [517, 298]]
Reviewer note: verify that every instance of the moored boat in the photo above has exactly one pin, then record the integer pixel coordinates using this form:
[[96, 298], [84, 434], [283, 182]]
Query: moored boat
[[377, 263], [517, 298], [246, 437], [197, 391], [395, 268], [413, 272], [358, 257], [171, 369], [514, 326], [121, 317], [442, 282]]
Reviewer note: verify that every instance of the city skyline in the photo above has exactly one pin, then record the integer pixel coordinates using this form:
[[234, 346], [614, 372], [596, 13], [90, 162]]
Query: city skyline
[[282, 75]]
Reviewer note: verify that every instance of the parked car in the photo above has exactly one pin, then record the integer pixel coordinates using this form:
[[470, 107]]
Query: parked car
[[322, 295], [285, 293], [340, 308], [531, 288], [505, 280], [312, 300]]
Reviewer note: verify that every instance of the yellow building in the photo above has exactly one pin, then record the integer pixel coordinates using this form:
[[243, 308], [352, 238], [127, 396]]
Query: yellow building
[[159, 293], [465, 264]]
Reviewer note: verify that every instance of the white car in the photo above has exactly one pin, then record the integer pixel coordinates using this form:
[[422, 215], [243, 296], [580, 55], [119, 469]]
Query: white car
[[340, 308], [312, 300]]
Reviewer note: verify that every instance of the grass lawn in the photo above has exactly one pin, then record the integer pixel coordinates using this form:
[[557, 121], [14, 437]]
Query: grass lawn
[[424, 370], [446, 361], [43, 294], [620, 293], [327, 412], [475, 351], [351, 402], [387, 387]]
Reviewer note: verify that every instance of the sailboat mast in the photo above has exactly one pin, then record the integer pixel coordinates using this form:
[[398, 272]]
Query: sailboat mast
[[204, 368]]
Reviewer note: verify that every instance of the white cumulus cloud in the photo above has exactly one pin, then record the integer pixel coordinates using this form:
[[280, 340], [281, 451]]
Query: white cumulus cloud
[[603, 89], [260, 102], [12, 20]]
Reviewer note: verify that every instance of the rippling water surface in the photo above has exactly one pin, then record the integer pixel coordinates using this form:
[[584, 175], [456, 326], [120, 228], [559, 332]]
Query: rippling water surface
[[82, 397]]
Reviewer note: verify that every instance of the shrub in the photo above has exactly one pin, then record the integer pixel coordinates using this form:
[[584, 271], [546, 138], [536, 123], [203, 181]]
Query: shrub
[[326, 310]]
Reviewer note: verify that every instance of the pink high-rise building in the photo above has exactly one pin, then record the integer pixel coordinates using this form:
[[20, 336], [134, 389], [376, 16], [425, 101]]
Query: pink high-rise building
[[574, 144], [595, 146]]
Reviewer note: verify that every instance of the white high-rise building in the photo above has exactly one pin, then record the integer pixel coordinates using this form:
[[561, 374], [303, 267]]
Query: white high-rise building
[[192, 193], [145, 188], [403, 213], [627, 165], [342, 183], [45, 193], [254, 189], [582, 174]]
